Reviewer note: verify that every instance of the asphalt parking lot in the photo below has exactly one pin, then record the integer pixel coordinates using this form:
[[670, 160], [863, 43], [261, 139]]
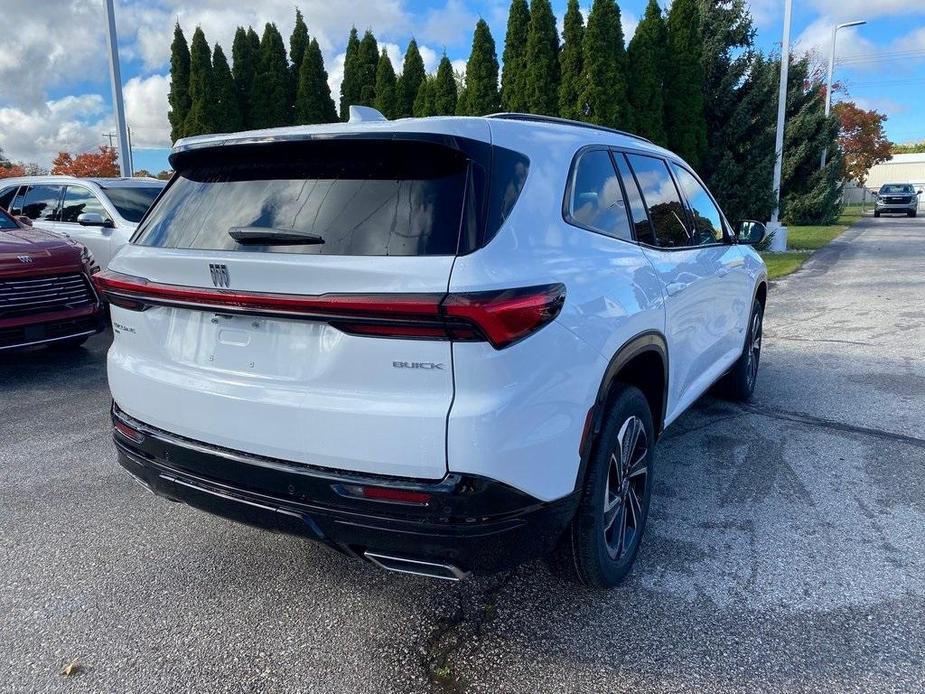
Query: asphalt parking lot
[[785, 548]]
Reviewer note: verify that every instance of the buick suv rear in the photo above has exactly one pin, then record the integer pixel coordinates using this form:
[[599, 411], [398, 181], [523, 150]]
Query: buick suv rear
[[442, 345]]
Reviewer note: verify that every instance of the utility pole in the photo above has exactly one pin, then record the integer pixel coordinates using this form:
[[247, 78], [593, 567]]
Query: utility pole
[[109, 135], [779, 242], [828, 90], [115, 73]]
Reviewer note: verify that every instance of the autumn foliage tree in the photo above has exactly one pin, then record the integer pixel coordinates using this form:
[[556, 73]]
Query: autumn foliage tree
[[862, 139], [102, 164]]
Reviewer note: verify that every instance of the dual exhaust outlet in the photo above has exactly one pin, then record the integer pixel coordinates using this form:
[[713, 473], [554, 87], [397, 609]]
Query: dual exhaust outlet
[[403, 565]]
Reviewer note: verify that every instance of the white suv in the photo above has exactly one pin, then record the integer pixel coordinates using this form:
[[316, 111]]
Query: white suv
[[444, 345]]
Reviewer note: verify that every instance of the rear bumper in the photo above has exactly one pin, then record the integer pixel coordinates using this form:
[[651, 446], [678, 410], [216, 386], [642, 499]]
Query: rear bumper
[[469, 522]]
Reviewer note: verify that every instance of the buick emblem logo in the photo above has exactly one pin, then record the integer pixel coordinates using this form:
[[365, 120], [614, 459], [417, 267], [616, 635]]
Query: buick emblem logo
[[219, 272], [25, 258]]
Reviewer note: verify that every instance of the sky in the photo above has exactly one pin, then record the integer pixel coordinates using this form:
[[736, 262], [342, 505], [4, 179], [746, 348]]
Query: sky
[[54, 77]]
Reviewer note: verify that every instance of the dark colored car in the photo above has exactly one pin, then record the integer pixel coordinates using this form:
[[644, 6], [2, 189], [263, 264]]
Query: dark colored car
[[895, 198], [46, 296]]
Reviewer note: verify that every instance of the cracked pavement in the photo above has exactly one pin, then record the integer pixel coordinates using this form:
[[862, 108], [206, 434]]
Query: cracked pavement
[[785, 547]]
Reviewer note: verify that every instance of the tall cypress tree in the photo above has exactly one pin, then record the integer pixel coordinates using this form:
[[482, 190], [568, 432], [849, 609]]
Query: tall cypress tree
[[603, 95], [424, 100], [244, 70], [444, 89], [480, 95], [570, 62], [542, 67], [412, 75], [646, 62], [313, 102], [178, 98], [386, 93], [271, 108], [367, 63], [514, 70], [685, 124], [201, 118], [253, 42], [350, 85], [298, 43], [227, 111]]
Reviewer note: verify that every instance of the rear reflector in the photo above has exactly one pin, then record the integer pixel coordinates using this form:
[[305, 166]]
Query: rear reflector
[[128, 432], [393, 495], [500, 317]]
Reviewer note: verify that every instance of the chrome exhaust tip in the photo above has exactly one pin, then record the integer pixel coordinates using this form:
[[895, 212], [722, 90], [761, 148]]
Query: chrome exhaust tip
[[403, 565]]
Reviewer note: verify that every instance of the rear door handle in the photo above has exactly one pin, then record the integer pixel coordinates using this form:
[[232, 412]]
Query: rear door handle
[[675, 288]]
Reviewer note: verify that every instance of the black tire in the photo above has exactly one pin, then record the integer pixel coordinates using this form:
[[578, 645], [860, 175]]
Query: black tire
[[739, 383], [601, 544], [913, 213], [876, 214], [68, 345]]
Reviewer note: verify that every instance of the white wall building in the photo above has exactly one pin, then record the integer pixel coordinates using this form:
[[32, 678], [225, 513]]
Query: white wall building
[[902, 168]]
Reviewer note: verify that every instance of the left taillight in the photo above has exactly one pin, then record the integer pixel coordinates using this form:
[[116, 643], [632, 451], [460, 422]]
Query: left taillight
[[500, 317]]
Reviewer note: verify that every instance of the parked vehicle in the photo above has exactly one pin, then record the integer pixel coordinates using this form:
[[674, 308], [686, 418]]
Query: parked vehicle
[[445, 345], [895, 198], [100, 213], [46, 297]]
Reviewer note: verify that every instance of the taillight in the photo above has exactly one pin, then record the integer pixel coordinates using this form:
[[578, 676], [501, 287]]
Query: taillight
[[501, 317]]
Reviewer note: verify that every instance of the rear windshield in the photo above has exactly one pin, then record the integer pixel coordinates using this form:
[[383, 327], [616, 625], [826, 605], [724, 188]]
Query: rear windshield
[[896, 189], [132, 203], [360, 197]]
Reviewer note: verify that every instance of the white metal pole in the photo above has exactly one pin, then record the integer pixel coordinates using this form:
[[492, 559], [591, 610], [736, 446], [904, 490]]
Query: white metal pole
[[828, 89], [125, 167], [781, 110]]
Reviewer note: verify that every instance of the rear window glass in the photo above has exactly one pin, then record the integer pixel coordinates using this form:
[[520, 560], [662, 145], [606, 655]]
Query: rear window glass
[[132, 203], [361, 197]]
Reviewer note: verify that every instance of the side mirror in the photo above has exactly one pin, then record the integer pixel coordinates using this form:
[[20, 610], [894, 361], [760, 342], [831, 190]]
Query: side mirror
[[751, 232], [918, 192], [24, 220], [92, 219]]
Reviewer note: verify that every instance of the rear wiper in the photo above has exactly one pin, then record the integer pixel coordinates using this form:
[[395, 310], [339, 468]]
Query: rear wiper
[[270, 236]]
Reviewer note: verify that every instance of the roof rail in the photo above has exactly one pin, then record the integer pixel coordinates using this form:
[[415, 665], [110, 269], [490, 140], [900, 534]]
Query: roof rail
[[535, 117]]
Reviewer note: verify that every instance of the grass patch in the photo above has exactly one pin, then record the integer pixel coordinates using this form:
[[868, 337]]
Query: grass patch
[[780, 264], [812, 238]]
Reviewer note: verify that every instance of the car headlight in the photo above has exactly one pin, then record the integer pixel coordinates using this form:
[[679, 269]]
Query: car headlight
[[86, 257]]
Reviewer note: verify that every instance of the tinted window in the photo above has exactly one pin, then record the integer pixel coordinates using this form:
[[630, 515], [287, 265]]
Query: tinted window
[[78, 200], [662, 200], [361, 197], [508, 176], [6, 197], [41, 203], [708, 222], [132, 203], [6, 222], [641, 225], [596, 200]]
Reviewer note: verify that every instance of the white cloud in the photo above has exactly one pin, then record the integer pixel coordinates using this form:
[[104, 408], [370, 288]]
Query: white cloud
[[847, 10], [74, 123], [451, 25], [629, 22], [146, 110]]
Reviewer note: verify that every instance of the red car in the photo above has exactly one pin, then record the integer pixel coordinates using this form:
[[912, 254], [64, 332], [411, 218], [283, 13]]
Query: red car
[[46, 296]]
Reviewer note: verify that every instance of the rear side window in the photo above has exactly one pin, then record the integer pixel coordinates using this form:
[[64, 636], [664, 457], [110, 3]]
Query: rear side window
[[596, 199], [662, 200], [361, 197], [708, 222], [78, 200], [16, 205], [641, 225], [42, 203]]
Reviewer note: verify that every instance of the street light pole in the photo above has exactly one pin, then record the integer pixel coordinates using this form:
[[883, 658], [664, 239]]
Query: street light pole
[[780, 232], [828, 90], [125, 165]]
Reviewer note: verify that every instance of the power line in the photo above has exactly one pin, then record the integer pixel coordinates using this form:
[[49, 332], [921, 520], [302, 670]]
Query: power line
[[884, 56]]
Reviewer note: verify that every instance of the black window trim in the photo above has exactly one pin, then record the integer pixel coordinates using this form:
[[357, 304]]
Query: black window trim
[[570, 184]]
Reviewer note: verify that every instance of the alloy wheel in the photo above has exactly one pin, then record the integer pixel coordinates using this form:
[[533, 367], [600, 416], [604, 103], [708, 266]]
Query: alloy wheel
[[754, 350], [624, 492]]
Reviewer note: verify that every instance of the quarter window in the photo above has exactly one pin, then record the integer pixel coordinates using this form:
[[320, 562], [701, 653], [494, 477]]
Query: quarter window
[[708, 222], [77, 201], [41, 203], [597, 199], [662, 200]]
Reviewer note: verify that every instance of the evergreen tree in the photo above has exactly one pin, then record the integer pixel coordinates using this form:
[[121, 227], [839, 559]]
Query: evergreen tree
[[368, 62], [412, 75], [298, 43], [444, 89], [313, 102], [480, 95], [271, 107], [227, 111], [386, 87], [570, 62], [646, 62], [424, 101], [244, 70], [201, 118], [684, 117], [542, 62], [179, 97], [603, 78], [514, 71], [350, 85]]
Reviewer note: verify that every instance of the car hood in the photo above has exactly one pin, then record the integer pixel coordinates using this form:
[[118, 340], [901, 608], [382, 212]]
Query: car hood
[[26, 250]]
